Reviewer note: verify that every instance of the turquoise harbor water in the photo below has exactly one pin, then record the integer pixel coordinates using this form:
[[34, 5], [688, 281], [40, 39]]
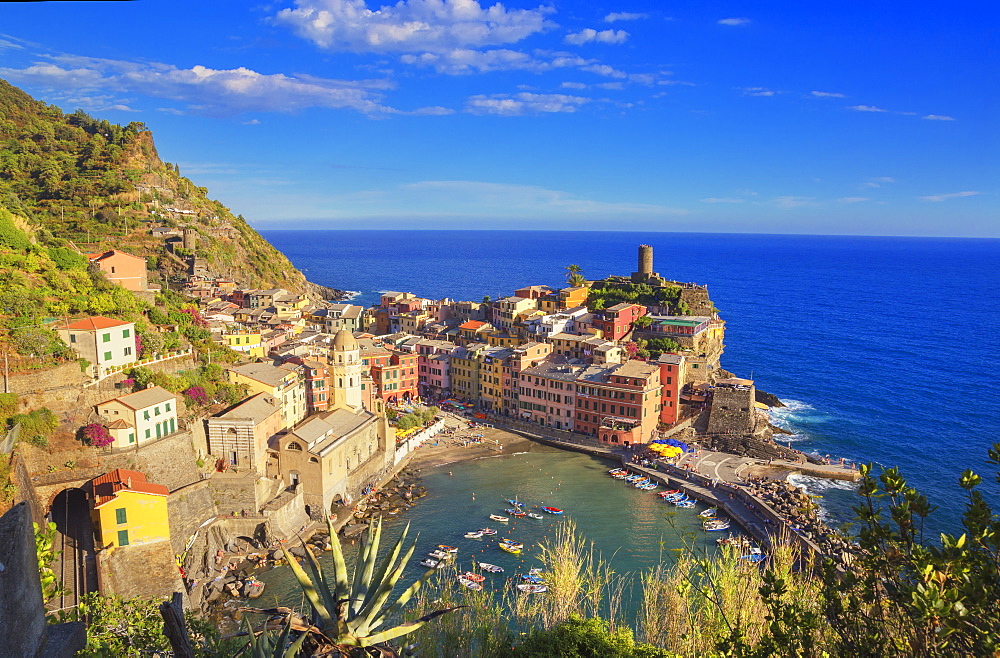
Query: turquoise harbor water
[[885, 349], [631, 529]]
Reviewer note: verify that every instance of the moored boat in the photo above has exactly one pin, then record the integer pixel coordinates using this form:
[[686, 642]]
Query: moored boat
[[431, 564], [516, 512], [497, 517], [552, 510], [532, 515], [664, 494], [531, 588], [441, 555], [447, 549], [474, 577], [491, 568], [489, 532], [474, 535], [510, 548], [710, 512], [470, 584]]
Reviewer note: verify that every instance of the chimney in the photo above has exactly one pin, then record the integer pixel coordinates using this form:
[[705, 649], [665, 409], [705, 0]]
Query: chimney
[[128, 482]]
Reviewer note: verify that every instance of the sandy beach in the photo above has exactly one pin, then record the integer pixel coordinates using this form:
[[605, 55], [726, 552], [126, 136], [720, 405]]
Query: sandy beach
[[458, 446]]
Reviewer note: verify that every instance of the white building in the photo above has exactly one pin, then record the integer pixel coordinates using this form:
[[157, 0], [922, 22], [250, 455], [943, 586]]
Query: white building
[[105, 342], [139, 417]]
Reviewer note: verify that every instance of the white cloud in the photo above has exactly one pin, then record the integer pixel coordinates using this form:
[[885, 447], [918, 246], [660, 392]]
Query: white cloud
[[604, 36], [757, 91], [411, 25], [879, 181], [945, 197], [939, 117], [793, 201], [826, 94], [476, 197], [624, 16], [10, 45], [605, 70], [573, 85], [202, 89], [853, 199], [866, 108], [524, 103], [714, 199], [252, 122], [433, 111], [734, 21]]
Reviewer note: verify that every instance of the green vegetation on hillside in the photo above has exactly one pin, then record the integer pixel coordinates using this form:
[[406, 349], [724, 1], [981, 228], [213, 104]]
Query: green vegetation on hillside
[[604, 294]]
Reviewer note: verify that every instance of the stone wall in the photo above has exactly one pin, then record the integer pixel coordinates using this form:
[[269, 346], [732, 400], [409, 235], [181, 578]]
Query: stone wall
[[147, 570], [234, 493], [26, 491], [187, 509], [732, 411], [697, 300], [287, 512]]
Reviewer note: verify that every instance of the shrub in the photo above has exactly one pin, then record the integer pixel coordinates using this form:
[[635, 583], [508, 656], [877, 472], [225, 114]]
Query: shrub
[[36, 426], [197, 395], [97, 435]]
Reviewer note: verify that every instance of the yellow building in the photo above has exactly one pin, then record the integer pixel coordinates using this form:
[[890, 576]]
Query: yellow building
[[287, 384], [465, 376], [128, 510], [247, 342], [573, 297]]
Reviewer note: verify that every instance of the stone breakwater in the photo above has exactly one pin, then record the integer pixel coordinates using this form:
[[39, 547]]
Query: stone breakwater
[[801, 513]]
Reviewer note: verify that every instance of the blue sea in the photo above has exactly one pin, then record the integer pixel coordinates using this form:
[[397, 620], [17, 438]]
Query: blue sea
[[884, 349]]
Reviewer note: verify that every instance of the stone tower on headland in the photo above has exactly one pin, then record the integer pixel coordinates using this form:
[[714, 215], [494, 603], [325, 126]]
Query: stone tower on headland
[[646, 273]]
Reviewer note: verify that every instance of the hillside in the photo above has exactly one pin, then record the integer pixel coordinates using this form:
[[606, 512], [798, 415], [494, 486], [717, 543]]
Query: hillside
[[71, 177]]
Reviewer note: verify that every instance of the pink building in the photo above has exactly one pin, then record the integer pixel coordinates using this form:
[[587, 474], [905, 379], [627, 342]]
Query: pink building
[[547, 392], [434, 367]]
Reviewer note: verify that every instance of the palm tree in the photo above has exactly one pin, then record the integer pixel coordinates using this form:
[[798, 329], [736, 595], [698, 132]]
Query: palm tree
[[574, 275]]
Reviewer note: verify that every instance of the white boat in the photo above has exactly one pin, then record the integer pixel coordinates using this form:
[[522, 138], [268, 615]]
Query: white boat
[[491, 568], [489, 532], [432, 564], [440, 555], [531, 588], [474, 535], [470, 584], [497, 517]]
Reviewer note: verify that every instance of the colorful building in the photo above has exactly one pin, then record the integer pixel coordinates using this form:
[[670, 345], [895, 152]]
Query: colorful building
[[615, 322], [240, 434], [127, 510], [141, 416], [672, 379], [285, 383], [547, 392], [106, 343], [126, 270], [465, 376], [245, 341], [625, 396]]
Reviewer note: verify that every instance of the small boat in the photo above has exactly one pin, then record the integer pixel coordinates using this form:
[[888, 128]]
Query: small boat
[[447, 549], [552, 510], [510, 548], [515, 503], [532, 515], [535, 572], [470, 584], [710, 512], [684, 504], [516, 512], [717, 528], [664, 494], [754, 555], [474, 577], [489, 532], [432, 564], [532, 578], [491, 568], [620, 476], [497, 517], [441, 555], [474, 535], [531, 588]]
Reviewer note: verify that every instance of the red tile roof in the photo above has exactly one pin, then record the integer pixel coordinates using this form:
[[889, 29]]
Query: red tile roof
[[107, 486], [95, 323], [472, 324]]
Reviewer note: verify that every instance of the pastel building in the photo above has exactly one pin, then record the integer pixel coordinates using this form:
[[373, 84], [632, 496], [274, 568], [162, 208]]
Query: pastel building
[[126, 270], [286, 384], [141, 416], [127, 509], [615, 322], [547, 392], [105, 342], [240, 434], [619, 404], [672, 368]]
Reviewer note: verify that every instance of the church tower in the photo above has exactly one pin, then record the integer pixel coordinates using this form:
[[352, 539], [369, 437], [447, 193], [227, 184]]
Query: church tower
[[346, 369]]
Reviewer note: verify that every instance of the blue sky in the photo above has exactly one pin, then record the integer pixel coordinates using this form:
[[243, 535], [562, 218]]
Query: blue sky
[[769, 117]]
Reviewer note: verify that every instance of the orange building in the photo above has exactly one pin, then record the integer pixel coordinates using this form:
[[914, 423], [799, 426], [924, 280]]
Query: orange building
[[124, 269]]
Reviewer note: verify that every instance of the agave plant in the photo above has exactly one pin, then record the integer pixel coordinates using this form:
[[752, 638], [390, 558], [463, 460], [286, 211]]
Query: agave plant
[[267, 645], [349, 611]]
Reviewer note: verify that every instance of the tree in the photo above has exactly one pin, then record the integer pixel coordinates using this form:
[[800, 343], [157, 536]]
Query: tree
[[574, 275], [97, 435]]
